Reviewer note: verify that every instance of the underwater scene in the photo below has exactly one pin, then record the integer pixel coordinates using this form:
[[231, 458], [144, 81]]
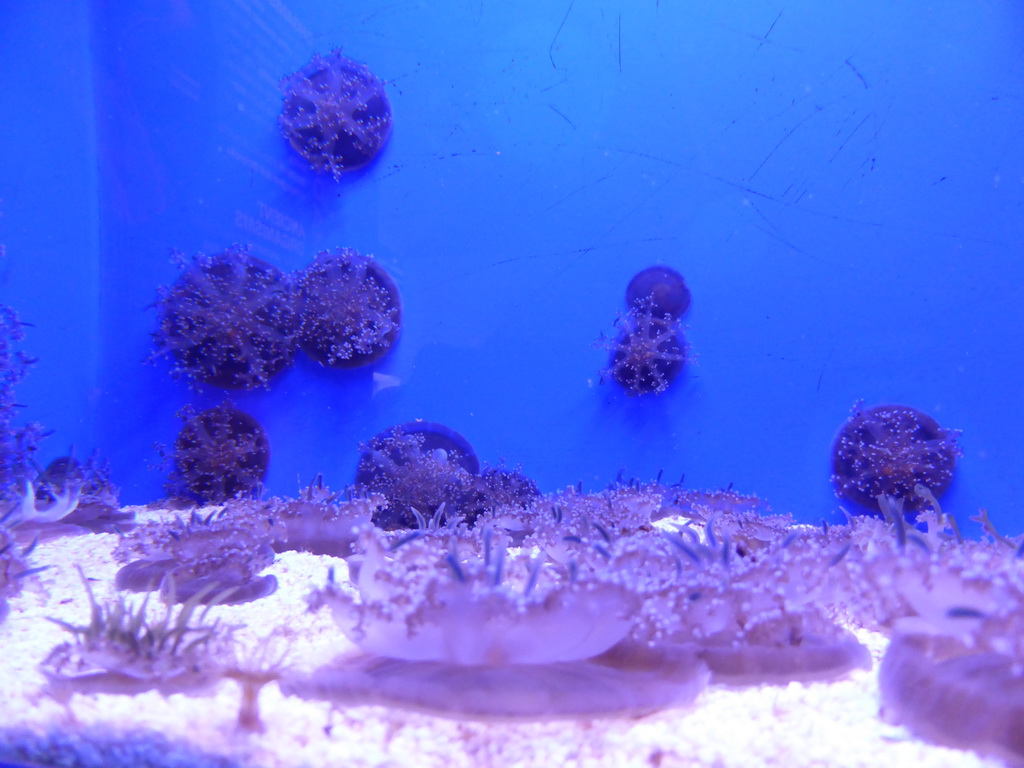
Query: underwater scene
[[516, 383]]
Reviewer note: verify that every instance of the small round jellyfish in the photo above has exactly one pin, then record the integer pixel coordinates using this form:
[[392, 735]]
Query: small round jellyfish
[[649, 353], [660, 287], [229, 320], [336, 114], [219, 454], [887, 451], [349, 308]]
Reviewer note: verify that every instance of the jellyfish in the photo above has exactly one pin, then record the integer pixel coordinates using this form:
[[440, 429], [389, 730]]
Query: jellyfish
[[462, 628], [350, 309], [220, 453], [229, 320], [336, 114], [423, 469], [97, 509], [226, 549], [439, 442], [963, 700], [648, 354], [887, 450]]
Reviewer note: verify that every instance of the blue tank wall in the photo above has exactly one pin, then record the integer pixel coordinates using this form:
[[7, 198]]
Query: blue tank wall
[[49, 217], [841, 187]]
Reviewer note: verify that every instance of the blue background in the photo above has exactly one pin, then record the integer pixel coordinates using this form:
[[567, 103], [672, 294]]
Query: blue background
[[841, 184]]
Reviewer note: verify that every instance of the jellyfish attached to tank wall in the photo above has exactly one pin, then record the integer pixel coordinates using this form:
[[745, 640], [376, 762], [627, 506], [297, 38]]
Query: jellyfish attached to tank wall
[[220, 453], [349, 308], [229, 320], [889, 450], [336, 114], [649, 352]]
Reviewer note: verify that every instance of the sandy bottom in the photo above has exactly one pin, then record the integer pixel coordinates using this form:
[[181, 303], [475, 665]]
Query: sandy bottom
[[821, 724]]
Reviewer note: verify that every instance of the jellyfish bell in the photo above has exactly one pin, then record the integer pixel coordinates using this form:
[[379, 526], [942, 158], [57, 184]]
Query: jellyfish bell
[[435, 441], [456, 614], [662, 289]]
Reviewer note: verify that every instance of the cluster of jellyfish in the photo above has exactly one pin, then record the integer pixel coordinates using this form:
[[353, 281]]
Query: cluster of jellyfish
[[234, 321], [516, 604], [470, 594]]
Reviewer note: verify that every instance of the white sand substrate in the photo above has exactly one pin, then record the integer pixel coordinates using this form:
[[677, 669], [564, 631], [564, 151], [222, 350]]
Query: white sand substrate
[[821, 724]]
